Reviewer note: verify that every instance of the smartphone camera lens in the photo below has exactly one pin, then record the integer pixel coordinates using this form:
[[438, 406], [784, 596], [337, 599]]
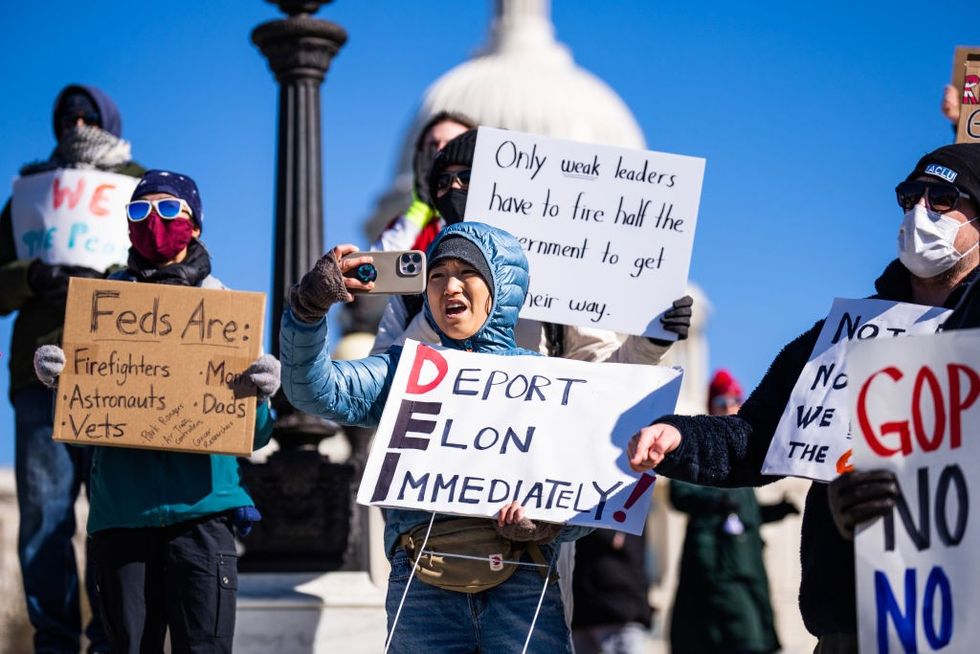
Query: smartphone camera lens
[[416, 258], [366, 272]]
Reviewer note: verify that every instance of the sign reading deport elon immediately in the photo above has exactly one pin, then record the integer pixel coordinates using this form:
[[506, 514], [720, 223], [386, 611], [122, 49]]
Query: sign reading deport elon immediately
[[159, 367]]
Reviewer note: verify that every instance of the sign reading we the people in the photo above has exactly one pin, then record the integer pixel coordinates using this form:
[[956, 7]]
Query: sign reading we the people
[[72, 217], [916, 408], [813, 438], [608, 231], [159, 367], [466, 433]]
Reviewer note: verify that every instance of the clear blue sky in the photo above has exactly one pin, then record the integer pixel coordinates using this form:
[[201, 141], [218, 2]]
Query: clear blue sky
[[807, 114]]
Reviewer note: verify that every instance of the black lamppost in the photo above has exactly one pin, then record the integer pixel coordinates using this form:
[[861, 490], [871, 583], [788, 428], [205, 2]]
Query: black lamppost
[[305, 499]]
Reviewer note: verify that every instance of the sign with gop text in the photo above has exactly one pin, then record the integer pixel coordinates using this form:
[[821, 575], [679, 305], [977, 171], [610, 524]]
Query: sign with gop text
[[466, 434], [159, 367], [72, 217], [813, 438], [608, 231], [916, 408]]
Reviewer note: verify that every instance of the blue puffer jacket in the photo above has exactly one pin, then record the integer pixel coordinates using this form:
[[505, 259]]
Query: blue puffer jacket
[[355, 392]]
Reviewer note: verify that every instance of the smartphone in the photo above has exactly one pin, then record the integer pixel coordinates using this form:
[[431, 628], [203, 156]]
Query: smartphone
[[399, 272]]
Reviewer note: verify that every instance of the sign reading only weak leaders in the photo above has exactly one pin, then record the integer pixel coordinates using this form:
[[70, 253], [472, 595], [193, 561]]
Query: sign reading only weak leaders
[[608, 231], [72, 217], [813, 438], [466, 433], [916, 408]]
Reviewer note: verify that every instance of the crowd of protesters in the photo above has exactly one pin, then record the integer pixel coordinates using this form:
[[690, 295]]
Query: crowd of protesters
[[163, 560]]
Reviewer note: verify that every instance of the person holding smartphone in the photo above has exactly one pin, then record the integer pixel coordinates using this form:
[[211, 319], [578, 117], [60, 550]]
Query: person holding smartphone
[[477, 282]]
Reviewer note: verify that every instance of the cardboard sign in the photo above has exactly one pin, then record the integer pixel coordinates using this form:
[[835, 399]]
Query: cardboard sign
[[968, 128], [813, 438], [916, 404], [608, 231], [72, 217], [467, 433], [159, 367]]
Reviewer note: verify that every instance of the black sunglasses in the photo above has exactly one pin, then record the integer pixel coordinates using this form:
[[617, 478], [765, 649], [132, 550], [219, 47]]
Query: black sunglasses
[[445, 180], [941, 197]]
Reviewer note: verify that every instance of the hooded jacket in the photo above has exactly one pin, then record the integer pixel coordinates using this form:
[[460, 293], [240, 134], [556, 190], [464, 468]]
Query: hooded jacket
[[39, 321], [729, 451], [355, 392]]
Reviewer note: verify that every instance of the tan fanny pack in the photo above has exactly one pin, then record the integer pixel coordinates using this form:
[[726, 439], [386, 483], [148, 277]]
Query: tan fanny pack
[[467, 555]]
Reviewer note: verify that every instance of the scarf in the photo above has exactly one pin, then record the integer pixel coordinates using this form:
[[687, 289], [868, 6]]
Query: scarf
[[85, 146], [189, 272]]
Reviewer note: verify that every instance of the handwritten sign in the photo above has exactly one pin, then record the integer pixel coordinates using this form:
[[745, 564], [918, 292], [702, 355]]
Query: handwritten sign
[[916, 404], [608, 231], [813, 438], [159, 367], [467, 433], [968, 127], [71, 216]]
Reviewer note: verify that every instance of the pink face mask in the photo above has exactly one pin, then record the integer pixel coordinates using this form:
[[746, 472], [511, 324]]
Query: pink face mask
[[159, 240]]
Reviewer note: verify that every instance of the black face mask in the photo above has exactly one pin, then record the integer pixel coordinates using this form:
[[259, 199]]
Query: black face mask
[[452, 205]]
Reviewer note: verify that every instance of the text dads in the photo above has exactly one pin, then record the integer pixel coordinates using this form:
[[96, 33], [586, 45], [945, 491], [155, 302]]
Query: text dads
[[510, 155]]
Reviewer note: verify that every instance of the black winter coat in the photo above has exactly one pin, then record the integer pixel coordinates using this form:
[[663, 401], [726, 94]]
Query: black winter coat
[[729, 451]]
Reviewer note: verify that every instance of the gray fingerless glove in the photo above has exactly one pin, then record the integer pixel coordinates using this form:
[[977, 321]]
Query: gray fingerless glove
[[49, 362], [311, 298], [265, 374], [529, 531]]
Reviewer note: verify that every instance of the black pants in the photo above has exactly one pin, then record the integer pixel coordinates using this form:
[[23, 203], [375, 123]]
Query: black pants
[[183, 577]]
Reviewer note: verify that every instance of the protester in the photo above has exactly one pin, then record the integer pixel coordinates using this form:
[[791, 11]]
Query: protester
[[477, 282], [417, 227], [612, 614], [448, 184], [162, 522], [938, 256], [722, 603], [49, 475]]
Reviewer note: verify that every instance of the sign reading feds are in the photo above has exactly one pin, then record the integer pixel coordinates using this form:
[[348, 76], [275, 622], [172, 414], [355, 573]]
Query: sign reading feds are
[[72, 217], [608, 231], [916, 411], [466, 433], [159, 367], [813, 438]]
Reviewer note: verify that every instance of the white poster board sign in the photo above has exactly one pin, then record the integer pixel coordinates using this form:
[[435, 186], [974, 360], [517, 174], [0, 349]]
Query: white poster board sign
[[466, 434], [916, 404], [608, 231], [813, 438], [73, 217]]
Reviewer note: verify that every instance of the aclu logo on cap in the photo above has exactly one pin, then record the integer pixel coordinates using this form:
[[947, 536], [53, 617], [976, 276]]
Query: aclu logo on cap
[[941, 171]]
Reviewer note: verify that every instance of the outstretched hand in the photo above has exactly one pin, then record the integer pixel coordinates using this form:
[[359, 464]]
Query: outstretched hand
[[649, 446], [325, 284]]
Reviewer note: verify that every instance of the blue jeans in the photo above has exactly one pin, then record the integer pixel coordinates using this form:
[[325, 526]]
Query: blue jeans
[[495, 621], [49, 476]]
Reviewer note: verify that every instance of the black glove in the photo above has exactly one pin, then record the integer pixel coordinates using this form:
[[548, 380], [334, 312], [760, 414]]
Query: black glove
[[726, 504], [50, 281], [859, 497], [321, 287], [677, 319], [778, 511]]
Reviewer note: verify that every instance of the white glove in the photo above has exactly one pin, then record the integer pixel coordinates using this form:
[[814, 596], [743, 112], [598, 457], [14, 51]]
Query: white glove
[[264, 373], [49, 361]]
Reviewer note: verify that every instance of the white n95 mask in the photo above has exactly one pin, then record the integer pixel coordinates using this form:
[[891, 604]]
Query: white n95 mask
[[925, 242]]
